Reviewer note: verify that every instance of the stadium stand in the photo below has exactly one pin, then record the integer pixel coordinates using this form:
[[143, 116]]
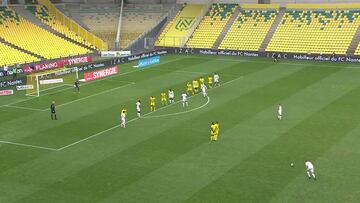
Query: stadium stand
[[211, 26], [11, 56], [250, 29], [42, 12], [20, 32], [138, 19], [101, 19], [175, 31], [315, 30], [357, 50]]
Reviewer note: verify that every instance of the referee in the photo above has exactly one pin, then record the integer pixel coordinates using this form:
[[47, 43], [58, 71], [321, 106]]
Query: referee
[[53, 110]]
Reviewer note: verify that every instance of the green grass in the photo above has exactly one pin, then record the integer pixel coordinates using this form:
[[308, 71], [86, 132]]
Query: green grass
[[168, 156]]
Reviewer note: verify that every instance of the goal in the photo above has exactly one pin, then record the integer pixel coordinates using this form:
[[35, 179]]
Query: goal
[[50, 81]]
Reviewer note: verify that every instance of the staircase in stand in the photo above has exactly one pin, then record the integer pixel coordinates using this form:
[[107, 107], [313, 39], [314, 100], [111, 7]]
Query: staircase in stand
[[226, 28], [272, 30], [354, 43]]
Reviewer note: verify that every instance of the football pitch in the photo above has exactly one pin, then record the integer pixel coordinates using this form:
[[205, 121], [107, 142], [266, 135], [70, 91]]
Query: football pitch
[[167, 155]]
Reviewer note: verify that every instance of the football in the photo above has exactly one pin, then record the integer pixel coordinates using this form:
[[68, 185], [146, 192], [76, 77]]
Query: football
[[292, 164]]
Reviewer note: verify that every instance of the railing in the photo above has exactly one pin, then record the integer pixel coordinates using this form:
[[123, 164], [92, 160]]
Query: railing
[[72, 25]]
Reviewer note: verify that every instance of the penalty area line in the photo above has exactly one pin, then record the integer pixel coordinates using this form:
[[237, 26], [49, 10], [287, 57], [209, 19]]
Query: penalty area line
[[20, 107], [27, 145], [93, 95]]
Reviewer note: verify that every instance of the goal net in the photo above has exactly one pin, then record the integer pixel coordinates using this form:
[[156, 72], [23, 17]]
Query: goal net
[[50, 81]]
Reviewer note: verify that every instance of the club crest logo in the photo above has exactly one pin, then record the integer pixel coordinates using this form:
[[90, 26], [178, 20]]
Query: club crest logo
[[184, 23]]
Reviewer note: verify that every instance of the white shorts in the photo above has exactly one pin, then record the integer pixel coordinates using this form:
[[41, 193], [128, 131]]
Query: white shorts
[[138, 110], [123, 120], [311, 170], [184, 101], [279, 113]]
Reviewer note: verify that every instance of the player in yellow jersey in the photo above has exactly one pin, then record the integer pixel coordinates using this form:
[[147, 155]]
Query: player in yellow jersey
[[189, 88], [196, 85], [152, 103], [212, 131], [202, 80], [163, 98], [217, 128], [210, 81]]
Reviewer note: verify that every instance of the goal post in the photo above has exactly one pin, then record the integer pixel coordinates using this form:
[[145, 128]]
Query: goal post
[[51, 80]]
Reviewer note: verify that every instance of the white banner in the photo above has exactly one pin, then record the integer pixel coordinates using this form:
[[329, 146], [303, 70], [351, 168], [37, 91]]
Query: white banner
[[115, 53], [45, 82], [6, 92], [24, 87]]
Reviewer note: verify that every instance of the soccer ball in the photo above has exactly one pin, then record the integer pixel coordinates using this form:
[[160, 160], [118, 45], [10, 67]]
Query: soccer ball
[[292, 164]]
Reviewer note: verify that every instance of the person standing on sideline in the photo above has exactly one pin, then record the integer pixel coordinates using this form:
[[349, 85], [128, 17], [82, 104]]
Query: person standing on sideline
[[14, 71], [6, 68], [53, 111]]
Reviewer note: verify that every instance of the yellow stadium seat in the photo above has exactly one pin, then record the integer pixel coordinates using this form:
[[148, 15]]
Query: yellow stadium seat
[[315, 31], [28, 36], [11, 56], [249, 30], [175, 31], [44, 15], [211, 26]]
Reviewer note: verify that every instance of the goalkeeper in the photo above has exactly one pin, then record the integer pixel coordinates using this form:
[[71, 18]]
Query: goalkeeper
[[77, 86]]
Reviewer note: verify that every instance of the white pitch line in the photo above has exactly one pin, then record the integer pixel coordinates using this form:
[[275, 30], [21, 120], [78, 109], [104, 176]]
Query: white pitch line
[[182, 112], [125, 73], [28, 145], [93, 95], [20, 107], [134, 119]]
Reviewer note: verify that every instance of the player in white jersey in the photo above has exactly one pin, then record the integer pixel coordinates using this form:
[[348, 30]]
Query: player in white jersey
[[138, 108], [171, 96], [216, 79], [310, 170], [203, 90], [123, 119], [279, 112], [184, 99]]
